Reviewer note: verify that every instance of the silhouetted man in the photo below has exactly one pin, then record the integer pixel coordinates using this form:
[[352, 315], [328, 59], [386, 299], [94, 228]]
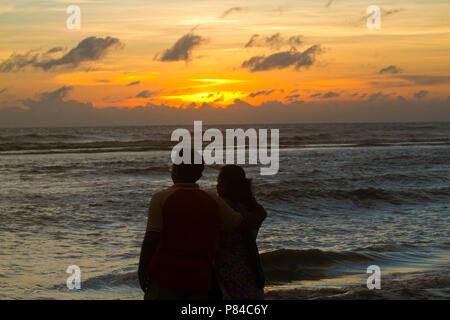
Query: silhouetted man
[[182, 228]]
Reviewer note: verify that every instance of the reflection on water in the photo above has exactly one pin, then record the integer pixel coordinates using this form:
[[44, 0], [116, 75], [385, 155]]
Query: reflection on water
[[333, 209]]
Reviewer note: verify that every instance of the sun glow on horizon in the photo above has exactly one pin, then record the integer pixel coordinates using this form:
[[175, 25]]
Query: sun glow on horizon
[[219, 97]]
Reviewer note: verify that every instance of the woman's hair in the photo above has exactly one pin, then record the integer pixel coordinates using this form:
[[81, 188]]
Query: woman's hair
[[239, 187]]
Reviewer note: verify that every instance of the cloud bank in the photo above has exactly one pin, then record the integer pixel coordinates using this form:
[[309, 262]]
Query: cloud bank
[[51, 109]]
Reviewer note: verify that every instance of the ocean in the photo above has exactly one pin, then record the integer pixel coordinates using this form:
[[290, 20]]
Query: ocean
[[347, 196]]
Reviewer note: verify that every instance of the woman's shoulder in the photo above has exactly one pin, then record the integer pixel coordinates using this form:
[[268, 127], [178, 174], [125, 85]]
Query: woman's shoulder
[[235, 206]]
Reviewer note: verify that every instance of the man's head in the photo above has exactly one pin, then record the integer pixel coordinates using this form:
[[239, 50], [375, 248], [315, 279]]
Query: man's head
[[187, 172]]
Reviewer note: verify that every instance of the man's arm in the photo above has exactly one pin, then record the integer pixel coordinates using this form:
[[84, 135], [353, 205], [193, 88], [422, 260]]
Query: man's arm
[[228, 218], [253, 219], [148, 249], [151, 239], [232, 220]]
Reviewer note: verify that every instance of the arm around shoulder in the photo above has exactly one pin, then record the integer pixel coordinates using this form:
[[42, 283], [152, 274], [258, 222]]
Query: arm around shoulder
[[229, 219]]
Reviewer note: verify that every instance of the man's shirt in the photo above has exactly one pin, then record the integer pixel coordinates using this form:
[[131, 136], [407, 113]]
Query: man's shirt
[[189, 220], [228, 218]]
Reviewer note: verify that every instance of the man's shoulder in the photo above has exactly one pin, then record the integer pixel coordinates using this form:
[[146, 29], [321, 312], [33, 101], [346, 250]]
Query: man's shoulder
[[213, 195], [162, 193], [209, 194]]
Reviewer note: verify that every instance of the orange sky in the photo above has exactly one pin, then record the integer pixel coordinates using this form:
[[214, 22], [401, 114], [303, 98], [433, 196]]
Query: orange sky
[[412, 46]]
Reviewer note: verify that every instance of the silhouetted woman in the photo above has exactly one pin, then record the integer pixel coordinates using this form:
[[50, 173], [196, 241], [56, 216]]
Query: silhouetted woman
[[237, 264]]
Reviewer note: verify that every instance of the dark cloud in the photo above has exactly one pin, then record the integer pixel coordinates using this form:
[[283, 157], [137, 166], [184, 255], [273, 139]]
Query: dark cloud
[[328, 4], [57, 94], [264, 92], [295, 40], [389, 12], [391, 69], [146, 94], [3, 90], [274, 41], [384, 13], [427, 80], [421, 94], [232, 10], [291, 98], [331, 94], [284, 59], [134, 83], [182, 49], [55, 49], [89, 49], [388, 84], [252, 41], [377, 96], [334, 94], [17, 62]]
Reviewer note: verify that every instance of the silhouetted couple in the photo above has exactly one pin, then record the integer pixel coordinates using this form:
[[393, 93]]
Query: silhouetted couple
[[200, 245]]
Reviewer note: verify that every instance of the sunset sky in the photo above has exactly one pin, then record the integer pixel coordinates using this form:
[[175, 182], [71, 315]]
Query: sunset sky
[[186, 53]]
